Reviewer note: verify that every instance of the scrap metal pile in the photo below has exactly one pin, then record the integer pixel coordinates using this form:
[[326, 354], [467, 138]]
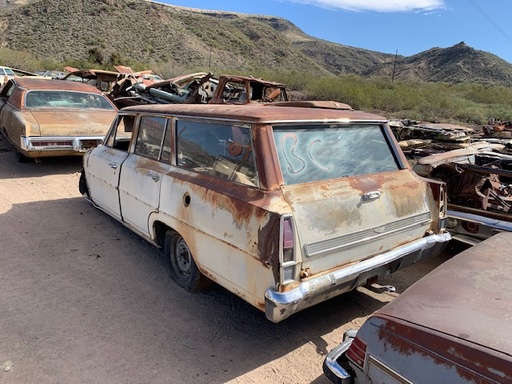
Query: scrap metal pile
[[126, 87], [198, 88], [478, 173], [419, 139]]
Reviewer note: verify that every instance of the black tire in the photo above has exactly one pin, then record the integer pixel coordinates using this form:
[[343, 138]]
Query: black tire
[[20, 158], [82, 184], [182, 268]]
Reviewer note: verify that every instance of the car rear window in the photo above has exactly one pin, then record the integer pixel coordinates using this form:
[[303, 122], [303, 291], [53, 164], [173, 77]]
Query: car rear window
[[321, 152], [65, 99]]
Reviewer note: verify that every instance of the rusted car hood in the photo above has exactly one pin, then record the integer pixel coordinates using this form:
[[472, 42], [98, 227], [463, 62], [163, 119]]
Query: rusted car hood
[[69, 122], [336, 225], [474, 302]]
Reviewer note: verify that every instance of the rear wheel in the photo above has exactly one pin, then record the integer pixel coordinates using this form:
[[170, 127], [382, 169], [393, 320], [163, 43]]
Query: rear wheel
[[182, 268]]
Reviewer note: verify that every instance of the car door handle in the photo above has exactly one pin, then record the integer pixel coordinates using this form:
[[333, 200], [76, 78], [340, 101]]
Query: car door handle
[[113, 165], [372, 195]]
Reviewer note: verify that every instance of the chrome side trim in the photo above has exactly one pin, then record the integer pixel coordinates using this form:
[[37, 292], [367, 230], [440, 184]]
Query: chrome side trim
[[387, 371], [500, 225], [366, 236]]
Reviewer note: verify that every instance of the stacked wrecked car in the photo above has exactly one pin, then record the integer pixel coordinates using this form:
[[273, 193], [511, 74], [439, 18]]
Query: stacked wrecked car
[[476, 165]]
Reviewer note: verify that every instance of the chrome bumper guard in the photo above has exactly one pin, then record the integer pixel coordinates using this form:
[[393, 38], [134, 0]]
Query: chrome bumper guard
[[332, 369], [280, 305]]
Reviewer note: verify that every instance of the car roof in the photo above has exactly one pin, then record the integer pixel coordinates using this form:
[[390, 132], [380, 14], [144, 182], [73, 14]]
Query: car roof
[[260, 113], [30, 83], [467, 297]]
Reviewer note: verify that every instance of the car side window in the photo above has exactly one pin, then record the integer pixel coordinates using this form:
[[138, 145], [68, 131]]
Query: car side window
[[120, 136], [224, 151], [151, 137]]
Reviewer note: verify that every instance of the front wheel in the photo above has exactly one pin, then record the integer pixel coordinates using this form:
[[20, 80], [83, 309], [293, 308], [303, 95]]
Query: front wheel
[[82, 184], [182, 268]]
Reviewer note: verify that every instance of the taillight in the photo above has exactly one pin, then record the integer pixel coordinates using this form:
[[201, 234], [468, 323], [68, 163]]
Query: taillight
[[357, 352], [52, 143], [287, 253], [288, 240]]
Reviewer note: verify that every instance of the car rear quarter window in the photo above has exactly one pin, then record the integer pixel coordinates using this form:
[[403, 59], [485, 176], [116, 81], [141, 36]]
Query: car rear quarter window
[[224, 151], [311, 153]]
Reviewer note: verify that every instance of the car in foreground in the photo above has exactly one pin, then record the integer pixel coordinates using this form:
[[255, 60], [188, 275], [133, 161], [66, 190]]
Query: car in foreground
[[452, 326], [285, 205], [44, 117]]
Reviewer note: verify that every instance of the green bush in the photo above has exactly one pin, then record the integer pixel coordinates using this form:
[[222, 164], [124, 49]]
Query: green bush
[[457, 103]]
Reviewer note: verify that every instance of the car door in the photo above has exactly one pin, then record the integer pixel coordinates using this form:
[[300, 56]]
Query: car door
[[103, 166], [141, 175]]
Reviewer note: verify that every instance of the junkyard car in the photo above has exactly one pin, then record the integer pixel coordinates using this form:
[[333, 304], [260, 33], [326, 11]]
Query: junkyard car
[[479, 185], [285, 206], [247, 89], [102, 79], [199, 88], [43, 117], [452, 326]]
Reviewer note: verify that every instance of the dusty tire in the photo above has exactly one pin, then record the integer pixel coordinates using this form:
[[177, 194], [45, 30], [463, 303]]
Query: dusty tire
[[182, 268], [82, 184]]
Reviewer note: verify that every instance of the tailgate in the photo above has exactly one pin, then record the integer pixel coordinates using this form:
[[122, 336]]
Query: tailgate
[[352, 219]]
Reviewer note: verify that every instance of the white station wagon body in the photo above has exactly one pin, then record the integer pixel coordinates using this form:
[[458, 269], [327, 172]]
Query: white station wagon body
[[285, 206]]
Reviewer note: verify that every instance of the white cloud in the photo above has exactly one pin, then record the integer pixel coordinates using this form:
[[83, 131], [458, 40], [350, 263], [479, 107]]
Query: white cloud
[[377, 5]]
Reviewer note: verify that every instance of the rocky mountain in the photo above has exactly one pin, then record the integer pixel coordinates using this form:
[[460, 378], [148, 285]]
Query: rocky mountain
[[457, 64], [143, 31]]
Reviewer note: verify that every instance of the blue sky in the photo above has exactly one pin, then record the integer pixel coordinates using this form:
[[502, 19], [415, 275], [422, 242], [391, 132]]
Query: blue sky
[[409, 26]]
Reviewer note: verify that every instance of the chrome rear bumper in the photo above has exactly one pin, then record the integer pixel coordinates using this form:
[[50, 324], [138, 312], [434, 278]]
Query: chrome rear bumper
[[280, 305]]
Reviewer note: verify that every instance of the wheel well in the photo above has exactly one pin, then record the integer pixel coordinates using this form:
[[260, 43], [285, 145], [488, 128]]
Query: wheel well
[[160, 231]]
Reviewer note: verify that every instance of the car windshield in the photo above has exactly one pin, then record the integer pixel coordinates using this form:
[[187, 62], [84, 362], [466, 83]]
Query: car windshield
[[9, 72], [321, 152], [65, 99]]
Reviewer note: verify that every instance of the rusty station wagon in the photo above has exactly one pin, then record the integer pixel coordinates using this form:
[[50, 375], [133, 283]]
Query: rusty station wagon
[[285, 206], [452, 326]]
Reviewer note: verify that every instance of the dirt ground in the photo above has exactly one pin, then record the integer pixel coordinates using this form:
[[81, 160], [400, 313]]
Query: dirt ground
[[84, 300]]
